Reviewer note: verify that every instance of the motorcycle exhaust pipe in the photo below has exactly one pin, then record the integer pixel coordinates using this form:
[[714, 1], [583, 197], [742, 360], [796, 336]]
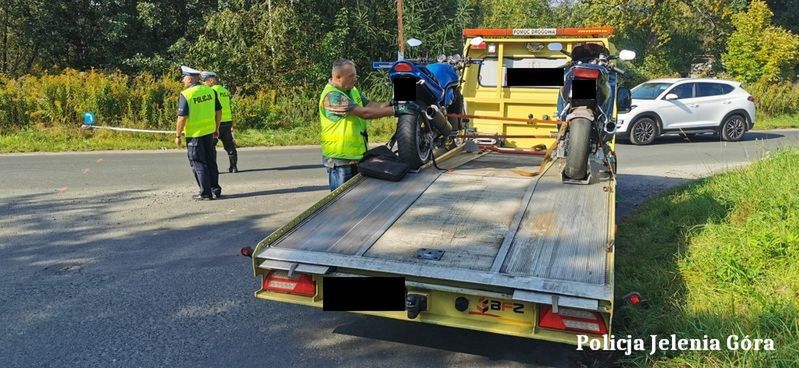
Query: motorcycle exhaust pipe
[[610, 127], [438, 121]]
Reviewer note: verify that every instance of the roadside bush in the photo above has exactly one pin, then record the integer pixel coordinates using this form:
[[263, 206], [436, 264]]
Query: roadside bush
[[54, 101], [775, 99], [141, 101]]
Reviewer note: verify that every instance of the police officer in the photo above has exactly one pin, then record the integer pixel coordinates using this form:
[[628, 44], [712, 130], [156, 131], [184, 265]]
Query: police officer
[[199, 115], [226, 127], [343, 111]]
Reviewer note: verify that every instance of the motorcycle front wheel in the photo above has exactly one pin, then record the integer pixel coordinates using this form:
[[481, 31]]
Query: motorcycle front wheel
[[413, 145], [579, 139]]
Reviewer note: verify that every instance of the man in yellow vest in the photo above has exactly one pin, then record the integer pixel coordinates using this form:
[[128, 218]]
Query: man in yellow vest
[[226, 127], [342, 111], [199, 115]]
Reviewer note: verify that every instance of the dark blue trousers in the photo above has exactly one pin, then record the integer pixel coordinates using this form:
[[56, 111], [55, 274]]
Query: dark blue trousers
[[202, 158]]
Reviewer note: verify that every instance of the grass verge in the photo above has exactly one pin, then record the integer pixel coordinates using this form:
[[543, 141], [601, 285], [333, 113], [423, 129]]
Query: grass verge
[[76, 139], [717, 257], [777, 122]]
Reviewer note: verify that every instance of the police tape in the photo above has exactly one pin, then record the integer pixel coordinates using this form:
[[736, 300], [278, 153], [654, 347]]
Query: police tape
[[128, 129]]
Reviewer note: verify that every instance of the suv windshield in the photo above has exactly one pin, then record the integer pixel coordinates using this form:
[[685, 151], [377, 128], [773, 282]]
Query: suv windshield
[[649, 91]]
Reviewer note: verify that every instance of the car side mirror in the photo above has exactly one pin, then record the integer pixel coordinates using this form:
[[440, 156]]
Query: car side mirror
[[671, 96], [624, 100]]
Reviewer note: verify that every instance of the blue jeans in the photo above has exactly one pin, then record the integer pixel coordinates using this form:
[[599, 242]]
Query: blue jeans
[[339, 175]]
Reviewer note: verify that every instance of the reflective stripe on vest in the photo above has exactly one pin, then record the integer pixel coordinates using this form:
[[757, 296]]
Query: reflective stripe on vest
[[342, 139], [202, 111], [224, 100]]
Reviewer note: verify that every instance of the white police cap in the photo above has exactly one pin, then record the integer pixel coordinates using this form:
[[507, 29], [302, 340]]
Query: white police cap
[[185, 70], [207, 74]]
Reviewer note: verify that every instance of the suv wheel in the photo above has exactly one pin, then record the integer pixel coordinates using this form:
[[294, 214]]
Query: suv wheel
[[733, 128], [643, 131]]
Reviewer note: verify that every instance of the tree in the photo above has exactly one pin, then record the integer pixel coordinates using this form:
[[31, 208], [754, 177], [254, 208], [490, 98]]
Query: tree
[[786, 14], [757, 49], [517, 14]]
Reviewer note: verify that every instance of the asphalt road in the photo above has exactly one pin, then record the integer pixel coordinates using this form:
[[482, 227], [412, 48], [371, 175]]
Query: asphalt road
[[105, 261]]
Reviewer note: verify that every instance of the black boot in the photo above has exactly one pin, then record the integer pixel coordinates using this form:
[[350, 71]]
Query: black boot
[[234, 158]]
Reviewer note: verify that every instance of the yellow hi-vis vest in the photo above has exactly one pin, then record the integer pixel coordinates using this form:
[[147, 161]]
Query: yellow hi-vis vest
[[224, 100], [202, 111], [342, 139]]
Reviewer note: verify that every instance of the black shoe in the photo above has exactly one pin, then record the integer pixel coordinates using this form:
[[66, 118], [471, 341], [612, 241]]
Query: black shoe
[[218, 195], [233, 169], [198, 197]]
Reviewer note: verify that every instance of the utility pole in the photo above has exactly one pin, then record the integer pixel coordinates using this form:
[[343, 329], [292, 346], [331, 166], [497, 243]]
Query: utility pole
[[400, 32]]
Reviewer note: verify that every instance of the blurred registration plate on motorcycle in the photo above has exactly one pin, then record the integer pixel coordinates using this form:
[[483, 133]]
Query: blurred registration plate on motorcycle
[[404, 89]]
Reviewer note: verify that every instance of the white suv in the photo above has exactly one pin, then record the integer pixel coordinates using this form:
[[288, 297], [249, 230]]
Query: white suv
[[687, 106]]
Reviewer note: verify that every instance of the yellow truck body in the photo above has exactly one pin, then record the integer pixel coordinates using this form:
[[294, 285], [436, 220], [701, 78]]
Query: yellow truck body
[[519, 247]]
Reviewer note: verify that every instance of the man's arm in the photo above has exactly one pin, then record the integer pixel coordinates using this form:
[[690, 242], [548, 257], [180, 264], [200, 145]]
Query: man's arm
[[179, 129], [338, 105], [378, 104], [373, 111], [218, 117], [183, 111]]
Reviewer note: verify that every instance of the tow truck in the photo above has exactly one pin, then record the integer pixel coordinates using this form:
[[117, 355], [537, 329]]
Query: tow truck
[[489, 239]]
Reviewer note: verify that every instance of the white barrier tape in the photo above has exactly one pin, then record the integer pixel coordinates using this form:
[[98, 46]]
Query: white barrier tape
[[129, 129]]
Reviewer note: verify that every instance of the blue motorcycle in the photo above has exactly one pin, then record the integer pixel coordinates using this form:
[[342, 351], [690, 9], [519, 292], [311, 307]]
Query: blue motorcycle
[[424, 94], [586, 103]]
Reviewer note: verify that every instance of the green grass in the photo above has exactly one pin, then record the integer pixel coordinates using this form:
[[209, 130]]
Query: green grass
[[777, 122], [76, 139], [717, 257]]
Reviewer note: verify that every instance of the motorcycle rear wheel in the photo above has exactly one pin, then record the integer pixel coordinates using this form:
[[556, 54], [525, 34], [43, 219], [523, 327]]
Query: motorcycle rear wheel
[[413, 148], [579, 139]]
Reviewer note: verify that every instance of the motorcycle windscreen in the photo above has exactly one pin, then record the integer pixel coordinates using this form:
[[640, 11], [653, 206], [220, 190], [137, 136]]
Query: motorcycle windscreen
[[534, 77], [404, 89]]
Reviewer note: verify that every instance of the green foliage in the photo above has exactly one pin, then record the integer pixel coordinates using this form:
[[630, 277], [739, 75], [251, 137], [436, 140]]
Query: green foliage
[[775, 98], [759, 50], [275, 55], [786, 14], [716, 258], [517, 14], [116, 99]]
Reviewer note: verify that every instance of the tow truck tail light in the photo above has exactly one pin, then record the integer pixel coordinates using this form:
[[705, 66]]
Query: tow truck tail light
[[586, 73], [568, 319], [403, 67], [296, 285]]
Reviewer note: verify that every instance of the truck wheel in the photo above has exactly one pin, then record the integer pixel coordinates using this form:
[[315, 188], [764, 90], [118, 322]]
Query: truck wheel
[[413, 148], [733, 128], [578, 146], [643, 131]]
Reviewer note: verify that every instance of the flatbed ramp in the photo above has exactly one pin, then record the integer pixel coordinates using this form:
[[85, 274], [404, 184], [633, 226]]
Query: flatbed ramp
[[494, 227]]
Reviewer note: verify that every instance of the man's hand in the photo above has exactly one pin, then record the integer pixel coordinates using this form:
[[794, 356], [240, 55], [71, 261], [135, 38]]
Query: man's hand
[[405, 108], [216, 134], [177, 141]]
